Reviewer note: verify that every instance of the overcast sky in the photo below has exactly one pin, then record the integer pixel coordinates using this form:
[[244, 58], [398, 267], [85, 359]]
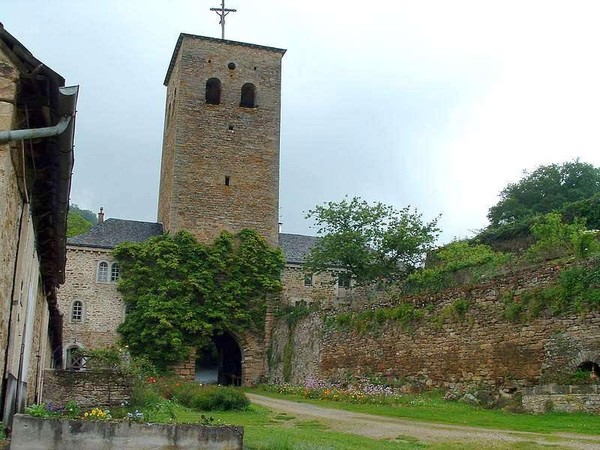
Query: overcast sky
[[434, 104]]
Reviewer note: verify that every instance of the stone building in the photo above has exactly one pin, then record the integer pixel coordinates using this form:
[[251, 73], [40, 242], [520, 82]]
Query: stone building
[[220, 171], [93, 308], [36, 160]]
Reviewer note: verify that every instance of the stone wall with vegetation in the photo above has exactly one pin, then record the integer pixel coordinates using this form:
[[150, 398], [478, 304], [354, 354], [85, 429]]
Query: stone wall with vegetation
[[485, 333], [87, 388]]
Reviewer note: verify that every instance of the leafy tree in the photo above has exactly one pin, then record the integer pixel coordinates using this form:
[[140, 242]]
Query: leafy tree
[[371, 242], [546, 189], [588, 209], [79, 221], [179, 293]]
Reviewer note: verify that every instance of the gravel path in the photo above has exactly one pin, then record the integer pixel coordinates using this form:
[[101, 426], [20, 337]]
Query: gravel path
[[379, 427]]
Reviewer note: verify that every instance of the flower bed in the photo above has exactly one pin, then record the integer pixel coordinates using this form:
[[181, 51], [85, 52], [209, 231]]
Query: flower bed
[[357, 392]]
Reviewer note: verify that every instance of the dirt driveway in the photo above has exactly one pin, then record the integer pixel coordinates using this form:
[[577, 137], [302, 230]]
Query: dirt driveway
[[379, 427]]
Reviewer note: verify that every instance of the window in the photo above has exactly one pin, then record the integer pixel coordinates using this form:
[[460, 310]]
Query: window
[[213, 91], [248, 96], [344, 280], [77, 311], [102, 272], [114, 273], [308, 279], [75, 359]]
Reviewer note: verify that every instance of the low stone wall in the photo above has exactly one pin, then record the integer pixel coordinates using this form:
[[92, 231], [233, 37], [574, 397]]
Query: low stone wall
[[87, 388], [557, 397], [31, 433]]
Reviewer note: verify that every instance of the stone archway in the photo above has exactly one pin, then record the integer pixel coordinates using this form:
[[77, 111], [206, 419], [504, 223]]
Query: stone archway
[[220, 362], [245, 368]]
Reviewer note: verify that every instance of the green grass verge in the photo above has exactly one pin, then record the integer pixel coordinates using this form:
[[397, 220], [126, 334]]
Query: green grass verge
[[269, 430], [431, 407]]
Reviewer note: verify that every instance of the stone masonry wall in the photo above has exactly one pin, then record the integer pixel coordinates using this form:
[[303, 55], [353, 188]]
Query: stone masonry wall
[[103, 307], [567, 398], [86, 388], [324, 289], [481, 347], [10, 199], [206, 144]]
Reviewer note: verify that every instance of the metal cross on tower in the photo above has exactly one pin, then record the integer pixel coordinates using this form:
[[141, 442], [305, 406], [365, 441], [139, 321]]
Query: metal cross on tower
[[222, 12]]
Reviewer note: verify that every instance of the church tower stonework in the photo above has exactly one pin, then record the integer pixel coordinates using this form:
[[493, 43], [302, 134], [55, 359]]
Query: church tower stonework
[[220, 159]]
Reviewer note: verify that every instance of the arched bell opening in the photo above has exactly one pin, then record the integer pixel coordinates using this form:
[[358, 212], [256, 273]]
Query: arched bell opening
[[220, 362]]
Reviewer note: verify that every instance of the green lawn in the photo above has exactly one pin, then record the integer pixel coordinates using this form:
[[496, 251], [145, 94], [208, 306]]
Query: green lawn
[[268, 430], [431, 407]]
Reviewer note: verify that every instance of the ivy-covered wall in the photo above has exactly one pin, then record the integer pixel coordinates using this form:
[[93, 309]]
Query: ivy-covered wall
[[458, 336]]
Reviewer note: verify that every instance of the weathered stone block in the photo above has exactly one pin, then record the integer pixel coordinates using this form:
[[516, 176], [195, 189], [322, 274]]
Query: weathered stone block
[[31, 433]]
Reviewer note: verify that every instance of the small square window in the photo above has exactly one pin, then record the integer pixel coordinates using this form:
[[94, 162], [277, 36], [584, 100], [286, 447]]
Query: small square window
[[344, 280], [308, 279]]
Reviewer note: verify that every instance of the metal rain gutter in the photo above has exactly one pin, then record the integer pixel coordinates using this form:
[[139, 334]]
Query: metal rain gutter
[[35, 133]]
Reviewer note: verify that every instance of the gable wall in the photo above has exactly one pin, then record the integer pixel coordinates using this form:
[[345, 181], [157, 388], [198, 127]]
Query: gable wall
[[103, 307]]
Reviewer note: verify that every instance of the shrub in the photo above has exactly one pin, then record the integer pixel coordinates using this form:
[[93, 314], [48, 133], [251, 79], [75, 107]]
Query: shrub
[[211, 398], [555, 238], [456, 263], [405, 314]]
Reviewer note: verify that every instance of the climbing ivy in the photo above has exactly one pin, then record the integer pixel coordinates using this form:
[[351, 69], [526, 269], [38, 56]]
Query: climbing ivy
[[179, 293]]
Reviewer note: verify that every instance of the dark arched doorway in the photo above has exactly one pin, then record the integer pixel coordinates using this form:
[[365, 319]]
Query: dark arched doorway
[[220, 362], [590, 367]]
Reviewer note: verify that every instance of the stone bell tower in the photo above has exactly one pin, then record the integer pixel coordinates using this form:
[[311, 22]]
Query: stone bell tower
[[220, 158]]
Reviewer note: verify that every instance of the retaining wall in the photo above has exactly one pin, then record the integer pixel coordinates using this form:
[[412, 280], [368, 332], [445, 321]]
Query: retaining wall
[[31, 433], [567, 398], [443, 348]]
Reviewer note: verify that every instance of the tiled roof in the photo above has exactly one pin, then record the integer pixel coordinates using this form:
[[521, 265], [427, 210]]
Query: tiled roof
[[112, 232], [295, 247]]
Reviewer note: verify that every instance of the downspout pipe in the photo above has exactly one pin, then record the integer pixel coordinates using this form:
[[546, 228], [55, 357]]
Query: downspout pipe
[[35, 133], [68, 100]]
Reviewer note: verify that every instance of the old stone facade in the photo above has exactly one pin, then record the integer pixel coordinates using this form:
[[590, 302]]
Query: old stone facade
[[34, 190], [92, 308], [220, 165]]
